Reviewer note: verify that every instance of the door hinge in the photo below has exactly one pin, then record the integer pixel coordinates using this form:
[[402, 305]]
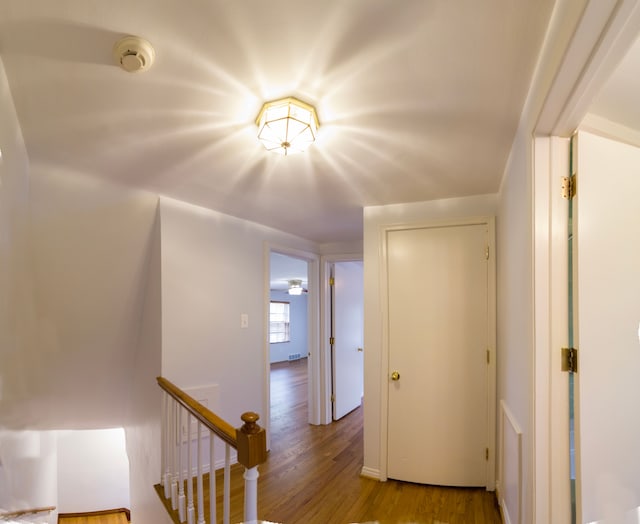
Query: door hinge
[[332, 340], [488, 356], [332, 281], [486, 453], [333, 398], [569, 360], [486, 253], [569, 187]]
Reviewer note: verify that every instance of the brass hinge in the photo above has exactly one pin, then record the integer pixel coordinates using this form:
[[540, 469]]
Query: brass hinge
[[332, 340], [333, 398], [569, 187], [569, 360], [332, 281], [488, 356], [486, 453], [486, 253]]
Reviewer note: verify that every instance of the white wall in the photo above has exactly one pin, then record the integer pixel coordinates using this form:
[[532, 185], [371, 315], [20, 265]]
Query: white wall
[[93, 470], [90, 243], [17, 297], [298, 328], [28, 474], [213, 270], [374, 218], [27, 458]]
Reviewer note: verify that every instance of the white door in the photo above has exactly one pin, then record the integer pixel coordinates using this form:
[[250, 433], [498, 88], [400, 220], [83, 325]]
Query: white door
[[347, 350], [607, 225], [438, 340]]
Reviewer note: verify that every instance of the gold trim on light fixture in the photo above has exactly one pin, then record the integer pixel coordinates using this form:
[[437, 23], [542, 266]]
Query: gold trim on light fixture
[[287, 125]]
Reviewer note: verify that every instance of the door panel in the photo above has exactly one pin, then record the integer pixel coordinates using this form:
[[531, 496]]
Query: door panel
[[348, 320], [438, 337], [607, 222]]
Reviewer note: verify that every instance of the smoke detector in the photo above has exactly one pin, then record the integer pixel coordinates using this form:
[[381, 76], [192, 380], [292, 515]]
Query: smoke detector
[[134, 54]]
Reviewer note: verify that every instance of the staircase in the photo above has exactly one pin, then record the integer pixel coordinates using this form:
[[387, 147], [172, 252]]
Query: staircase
[[186, 482]]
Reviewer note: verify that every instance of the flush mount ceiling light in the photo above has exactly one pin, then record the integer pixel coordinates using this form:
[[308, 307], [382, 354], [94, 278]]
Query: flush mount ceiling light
[[295, 287], [287, 125]]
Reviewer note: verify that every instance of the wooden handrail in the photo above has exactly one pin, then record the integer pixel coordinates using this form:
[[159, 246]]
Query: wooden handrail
[[22, 512], [250, 440], [220, 427]]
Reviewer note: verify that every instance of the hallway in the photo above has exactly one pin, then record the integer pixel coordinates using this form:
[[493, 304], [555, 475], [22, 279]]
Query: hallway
[[313, 472]]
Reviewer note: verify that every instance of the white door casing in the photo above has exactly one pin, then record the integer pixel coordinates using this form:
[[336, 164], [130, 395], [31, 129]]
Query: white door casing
[[440, 322], [348, 320]]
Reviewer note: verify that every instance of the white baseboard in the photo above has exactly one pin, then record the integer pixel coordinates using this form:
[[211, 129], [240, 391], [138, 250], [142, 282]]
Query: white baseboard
[[505, 513], [370, 473]]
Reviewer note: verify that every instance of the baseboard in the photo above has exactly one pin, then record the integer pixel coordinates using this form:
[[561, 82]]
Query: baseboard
[[370, 473], [505, 513]]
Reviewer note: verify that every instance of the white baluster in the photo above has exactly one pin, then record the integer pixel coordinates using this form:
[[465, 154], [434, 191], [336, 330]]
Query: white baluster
[[174, 461], [163, 439], [199, 480], [212, 479], [227, 484], [190, 508], [182, 510], [166, 450], [251, 494]]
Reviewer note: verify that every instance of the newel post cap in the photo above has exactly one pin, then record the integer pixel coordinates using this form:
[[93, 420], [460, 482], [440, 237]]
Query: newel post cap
[[252, 441]]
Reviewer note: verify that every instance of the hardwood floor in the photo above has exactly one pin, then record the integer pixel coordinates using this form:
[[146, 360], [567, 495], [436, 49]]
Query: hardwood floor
[[313, 472], [96, 517], [312, 475]]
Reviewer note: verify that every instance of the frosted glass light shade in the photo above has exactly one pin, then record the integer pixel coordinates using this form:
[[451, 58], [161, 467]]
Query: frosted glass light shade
[[287, 125], [295, 287]]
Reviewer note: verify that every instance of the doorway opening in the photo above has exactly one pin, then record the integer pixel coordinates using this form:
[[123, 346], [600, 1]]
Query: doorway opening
[[288, 336]]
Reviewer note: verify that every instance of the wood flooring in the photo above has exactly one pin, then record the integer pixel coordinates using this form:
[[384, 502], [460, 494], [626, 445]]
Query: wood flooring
[[312, 475], [97, 517]]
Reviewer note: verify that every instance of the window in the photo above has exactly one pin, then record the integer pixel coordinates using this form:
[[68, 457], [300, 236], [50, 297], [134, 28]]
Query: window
[[279, 322]]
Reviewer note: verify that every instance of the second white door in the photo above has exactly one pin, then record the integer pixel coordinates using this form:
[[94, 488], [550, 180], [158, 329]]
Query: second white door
[[347, 350], [438, 340]]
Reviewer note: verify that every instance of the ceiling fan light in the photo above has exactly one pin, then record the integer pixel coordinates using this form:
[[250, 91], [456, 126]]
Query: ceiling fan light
[[287, 125], [295, 287]]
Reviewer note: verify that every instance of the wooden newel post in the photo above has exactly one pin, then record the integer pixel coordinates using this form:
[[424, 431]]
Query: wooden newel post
[[252, 451]]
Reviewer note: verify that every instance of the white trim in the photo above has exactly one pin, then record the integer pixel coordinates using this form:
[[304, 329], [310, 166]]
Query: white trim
[[600, 40], [551, 424], [597, 125], [604, 33], [371, 473], [489, 221], [507, 416]]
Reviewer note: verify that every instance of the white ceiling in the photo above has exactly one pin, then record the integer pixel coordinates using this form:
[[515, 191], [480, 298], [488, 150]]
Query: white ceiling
[[417, 99]]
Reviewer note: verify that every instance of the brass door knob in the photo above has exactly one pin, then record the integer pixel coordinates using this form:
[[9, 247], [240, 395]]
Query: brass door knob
[[395, 376]]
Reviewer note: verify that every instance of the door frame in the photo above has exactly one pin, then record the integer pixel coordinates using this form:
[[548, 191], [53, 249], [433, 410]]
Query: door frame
[[600, 40], [489, 221], [315, 384], [325, 408]]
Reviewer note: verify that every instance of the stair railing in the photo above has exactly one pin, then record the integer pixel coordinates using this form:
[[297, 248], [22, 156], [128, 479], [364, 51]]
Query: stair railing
[[249, 440], [24, 512]]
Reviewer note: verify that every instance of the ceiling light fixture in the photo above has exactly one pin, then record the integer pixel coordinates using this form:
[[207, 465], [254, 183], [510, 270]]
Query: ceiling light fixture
[[295, 287], [287, 125]]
